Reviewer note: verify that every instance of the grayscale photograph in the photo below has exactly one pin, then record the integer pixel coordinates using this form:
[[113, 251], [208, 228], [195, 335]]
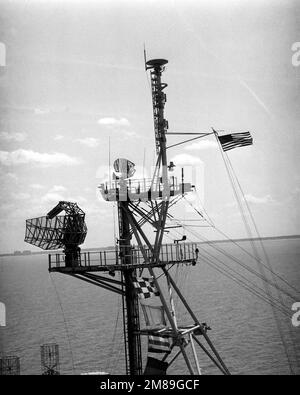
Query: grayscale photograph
[[150, 190]]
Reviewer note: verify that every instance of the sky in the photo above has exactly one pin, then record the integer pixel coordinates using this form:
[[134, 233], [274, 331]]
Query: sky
[[73, 83]]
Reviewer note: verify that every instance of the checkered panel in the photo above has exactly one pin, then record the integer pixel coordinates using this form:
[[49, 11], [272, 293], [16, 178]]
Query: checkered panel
[[145, 287]]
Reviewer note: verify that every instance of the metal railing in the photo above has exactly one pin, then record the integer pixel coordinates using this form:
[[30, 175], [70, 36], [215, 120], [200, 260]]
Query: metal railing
[[140, 185], [169, 253]]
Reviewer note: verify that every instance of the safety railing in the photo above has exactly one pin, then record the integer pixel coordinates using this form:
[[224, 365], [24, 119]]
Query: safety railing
[[169, 253]]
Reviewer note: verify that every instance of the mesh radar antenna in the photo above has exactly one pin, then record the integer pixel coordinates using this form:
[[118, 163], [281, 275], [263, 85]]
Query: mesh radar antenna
[[9, 366], [50, 359], [140, 202], [55, 231]]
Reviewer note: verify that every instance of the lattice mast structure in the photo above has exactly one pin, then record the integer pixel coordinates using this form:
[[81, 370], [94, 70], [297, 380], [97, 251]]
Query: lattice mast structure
[[127, 211], [139, 203]]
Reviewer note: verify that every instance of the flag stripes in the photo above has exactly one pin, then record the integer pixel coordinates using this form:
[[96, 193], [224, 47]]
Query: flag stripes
[[234, 140], [158, 343]]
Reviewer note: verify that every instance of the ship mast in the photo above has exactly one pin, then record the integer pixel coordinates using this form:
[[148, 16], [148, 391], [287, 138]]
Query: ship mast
[[140, 202], [129, 299]]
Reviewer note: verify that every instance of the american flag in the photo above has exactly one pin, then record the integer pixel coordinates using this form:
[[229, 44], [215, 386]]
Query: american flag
[[234, 140], [145, 287], [158, 343]]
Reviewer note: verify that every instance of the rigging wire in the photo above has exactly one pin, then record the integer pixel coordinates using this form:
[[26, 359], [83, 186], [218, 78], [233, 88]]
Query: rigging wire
[[210, 221], [252, 256], [108, 364], [65, 322], [254, 288], [257, 259], [251, 287], [261, 268], [197, 235], [233, 258], [241, 282], [263, 249]]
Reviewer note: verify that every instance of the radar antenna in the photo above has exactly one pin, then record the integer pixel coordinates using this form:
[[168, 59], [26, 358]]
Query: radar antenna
[[54, 231]]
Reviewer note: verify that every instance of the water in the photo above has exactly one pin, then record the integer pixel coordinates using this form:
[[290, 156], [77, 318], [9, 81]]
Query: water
[[86, 320]]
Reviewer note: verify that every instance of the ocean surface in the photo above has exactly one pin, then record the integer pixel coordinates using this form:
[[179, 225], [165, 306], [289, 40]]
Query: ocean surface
[[86, 321]]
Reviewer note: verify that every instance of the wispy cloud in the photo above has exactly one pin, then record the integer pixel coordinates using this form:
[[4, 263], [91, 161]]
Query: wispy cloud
[[89, 142], [186, 159], [36, 186], [52, 197], [21, 196], [17, 136], [120, 126], [129, 133], [58, 137], [12, 176], [58, 188], [110, 121], [22, 156], [201, 145], [41, 111], [259, 200]]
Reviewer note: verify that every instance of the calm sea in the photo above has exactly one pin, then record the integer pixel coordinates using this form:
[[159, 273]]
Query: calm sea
[[86, 321]]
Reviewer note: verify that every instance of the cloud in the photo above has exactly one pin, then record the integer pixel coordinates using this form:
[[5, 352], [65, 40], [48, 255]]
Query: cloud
[[119, 126], [202, 145], [89, 142], [22, 156], [113, 121], [58, 137], [41, 111], [259, 200], [21, 196], [55, 194], [36, 186], [52, 197], [58, 188], [12, 176], [129, 133], [13, 136], [186, 159]]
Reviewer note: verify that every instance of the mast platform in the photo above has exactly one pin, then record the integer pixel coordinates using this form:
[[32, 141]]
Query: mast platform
[[111, 260], [142, 189]]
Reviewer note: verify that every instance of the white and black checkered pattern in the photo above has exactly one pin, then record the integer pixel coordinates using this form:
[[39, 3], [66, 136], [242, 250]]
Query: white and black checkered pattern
[[145, 287]]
